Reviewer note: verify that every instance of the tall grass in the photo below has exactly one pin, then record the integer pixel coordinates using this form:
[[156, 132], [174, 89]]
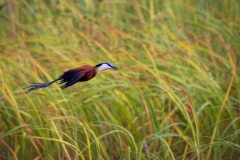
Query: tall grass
[[176, 95]]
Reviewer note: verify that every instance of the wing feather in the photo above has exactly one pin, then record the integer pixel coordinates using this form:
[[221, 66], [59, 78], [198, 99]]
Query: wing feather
[[73, 76], [71, 80]]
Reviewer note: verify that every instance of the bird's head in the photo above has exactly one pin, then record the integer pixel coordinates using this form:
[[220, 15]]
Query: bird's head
[[104, 66]]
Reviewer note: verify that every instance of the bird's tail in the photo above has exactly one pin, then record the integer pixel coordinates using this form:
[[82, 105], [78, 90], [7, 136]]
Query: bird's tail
[[34, 86]]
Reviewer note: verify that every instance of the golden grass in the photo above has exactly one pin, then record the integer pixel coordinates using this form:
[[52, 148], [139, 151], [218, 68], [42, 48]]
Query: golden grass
[[176, 95]]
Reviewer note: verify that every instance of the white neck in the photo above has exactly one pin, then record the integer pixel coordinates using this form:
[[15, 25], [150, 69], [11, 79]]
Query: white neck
[[103, 67]]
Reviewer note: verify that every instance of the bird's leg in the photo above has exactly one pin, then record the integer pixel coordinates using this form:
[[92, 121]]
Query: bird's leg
[[35, 86]]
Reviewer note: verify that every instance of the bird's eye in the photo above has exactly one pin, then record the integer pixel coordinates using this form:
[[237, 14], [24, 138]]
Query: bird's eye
[[109, 64]]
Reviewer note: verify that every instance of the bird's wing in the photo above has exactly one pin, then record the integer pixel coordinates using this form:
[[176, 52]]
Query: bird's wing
[[73, 80], [72, 76]]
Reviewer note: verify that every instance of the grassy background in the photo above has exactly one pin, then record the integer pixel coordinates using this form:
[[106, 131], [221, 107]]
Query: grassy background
[[176, 95]]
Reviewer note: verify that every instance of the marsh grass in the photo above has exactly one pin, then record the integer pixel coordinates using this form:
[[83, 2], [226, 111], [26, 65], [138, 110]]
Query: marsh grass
[[176, 95]]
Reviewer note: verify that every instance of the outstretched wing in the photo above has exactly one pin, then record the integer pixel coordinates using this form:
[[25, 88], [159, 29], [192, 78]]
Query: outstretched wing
[[73, 76]]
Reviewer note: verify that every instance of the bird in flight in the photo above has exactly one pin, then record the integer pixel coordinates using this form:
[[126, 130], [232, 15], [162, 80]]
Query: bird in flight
[[75, 75]]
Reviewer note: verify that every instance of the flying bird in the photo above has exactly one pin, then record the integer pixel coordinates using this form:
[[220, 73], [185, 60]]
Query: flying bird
[[70, 77]]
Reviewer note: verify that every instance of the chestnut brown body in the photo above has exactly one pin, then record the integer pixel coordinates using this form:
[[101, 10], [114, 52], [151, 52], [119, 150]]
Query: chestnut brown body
[[80, 74]]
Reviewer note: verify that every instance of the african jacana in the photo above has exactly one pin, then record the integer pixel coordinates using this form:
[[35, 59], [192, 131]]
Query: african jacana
[[70, 77]]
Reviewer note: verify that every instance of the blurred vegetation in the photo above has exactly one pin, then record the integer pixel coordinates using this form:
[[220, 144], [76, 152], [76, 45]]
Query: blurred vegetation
[[176, 95]]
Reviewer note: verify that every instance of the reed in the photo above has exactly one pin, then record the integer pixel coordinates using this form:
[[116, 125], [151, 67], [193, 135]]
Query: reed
[[176, 95]]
